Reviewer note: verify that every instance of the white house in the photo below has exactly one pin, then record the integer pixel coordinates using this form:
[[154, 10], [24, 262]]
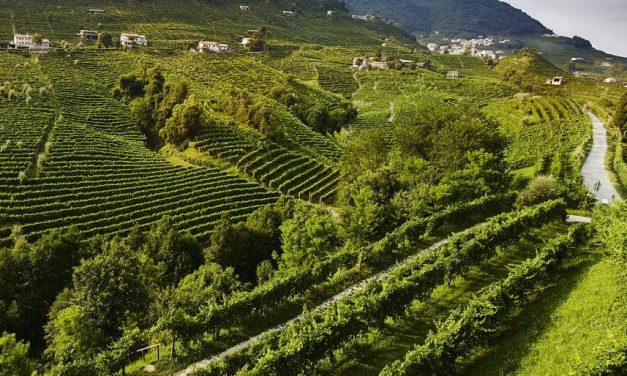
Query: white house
[[289, 13], [130, 40], [26, 40], [210, 46], [610, 80], [246, 41], [556, 81], [88, 34], [452, 74], [432, 47], [244, 8], [360, 63], [379, 64], [331, 13], [367, 17]]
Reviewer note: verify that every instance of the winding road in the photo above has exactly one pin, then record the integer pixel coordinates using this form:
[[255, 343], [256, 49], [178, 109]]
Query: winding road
[[596, 178]]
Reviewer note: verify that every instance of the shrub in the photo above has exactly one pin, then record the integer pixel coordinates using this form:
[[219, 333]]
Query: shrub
[[540, 189]]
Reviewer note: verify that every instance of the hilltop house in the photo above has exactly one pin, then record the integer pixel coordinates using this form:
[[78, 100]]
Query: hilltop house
[[244, 8], [289, 13], [130, 40], [95, 11], [379, 64], [556, 81], [210, 46], [452, 74], [367, 17], [26, 40], [88, 35]]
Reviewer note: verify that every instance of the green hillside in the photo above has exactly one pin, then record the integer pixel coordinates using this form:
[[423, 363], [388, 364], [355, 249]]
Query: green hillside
[[455, 18], [316, 202]]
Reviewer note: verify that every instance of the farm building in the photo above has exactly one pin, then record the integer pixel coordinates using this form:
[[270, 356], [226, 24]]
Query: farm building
[[289, 13], [26, 40], [210, 46], [88, 35], [95, 11], [367, 17], [246, 41], [556, 81], [244, 8], [452, 74], [130, 40], [379, 64], [360, 63], [610, 80]]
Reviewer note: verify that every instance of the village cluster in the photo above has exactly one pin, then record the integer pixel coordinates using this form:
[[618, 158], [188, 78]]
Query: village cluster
[[472, 47]]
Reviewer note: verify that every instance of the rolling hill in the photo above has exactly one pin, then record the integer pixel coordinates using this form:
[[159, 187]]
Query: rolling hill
[[460, 18]]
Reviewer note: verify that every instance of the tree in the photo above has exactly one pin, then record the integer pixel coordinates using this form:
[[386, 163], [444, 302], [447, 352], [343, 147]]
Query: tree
[[110, 287], [308, 237], [174, 255], [366, 203], [368, 152], [620, 117], [72, 335], [105, 40], [185, 122], [14, 357]]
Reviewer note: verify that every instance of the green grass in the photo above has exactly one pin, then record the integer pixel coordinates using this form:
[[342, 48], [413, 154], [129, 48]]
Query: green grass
[[565, 328]]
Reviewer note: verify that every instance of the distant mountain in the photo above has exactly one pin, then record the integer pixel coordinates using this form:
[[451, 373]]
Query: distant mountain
[[463, 18]]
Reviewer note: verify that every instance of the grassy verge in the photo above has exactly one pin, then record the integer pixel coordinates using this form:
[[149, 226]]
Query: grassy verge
[[565, 329]]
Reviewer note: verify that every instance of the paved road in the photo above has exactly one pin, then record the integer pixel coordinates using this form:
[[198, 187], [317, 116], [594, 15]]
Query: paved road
[[594, 173], [350, 291]]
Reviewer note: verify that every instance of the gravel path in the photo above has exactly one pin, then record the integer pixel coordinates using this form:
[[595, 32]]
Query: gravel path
[[595, 175]]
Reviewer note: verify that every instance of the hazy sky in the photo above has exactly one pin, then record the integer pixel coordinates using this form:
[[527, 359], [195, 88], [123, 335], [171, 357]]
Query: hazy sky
[[603, 22]]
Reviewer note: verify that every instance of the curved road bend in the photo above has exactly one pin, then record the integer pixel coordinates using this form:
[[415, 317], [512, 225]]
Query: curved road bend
[[594, 173]]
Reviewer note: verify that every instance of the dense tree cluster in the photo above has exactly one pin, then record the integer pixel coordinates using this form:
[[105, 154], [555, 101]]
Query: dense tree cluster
[[163, 111], [320, 116]]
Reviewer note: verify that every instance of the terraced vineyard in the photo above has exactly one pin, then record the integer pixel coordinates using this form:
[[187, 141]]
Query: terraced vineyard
[[289, 172], [539, 127]]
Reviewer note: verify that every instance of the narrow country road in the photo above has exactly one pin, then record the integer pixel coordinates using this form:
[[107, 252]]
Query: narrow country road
[[594, 173], [350, 291]]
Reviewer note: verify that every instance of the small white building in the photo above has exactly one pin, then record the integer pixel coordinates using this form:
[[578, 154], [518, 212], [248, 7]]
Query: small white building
[[26, 40], [555, 81], [244, 8], [246, 41], [577, 59], [379, 64], [452, 74], [95, 11], [130, 40], [367, 17], [331, 13], [88, 34], [610, 80], [289, 13], [432, 47], [210, 46]]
